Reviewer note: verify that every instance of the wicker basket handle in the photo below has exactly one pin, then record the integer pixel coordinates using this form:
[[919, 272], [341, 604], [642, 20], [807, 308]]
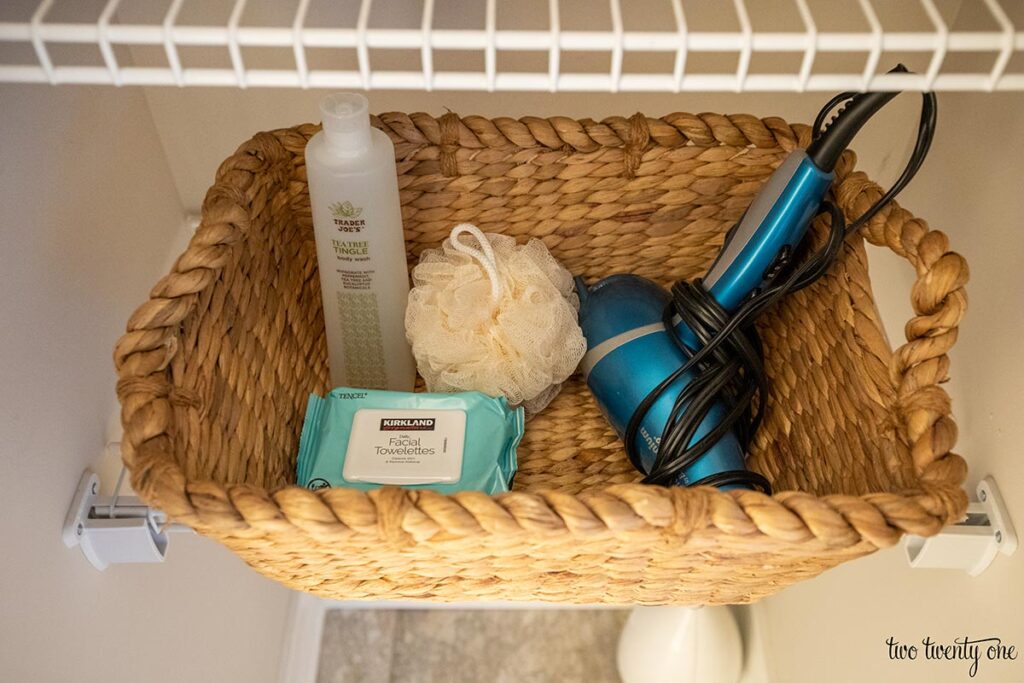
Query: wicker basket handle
[[939, 302]]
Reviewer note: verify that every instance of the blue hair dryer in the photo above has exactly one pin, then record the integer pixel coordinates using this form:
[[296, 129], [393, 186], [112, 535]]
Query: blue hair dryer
[[629, 350]]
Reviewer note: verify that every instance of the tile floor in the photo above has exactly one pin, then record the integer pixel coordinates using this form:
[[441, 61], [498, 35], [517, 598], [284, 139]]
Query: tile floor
[[470, 646]]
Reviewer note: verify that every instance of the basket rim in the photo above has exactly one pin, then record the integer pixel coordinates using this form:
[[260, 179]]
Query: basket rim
[[143, 354]]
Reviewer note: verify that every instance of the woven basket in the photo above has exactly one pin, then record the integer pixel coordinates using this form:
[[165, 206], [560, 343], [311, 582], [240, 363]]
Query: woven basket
[[216, 367]]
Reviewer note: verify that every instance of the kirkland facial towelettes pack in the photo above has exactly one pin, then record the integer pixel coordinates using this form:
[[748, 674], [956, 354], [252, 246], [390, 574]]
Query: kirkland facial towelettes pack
[[366, 438]]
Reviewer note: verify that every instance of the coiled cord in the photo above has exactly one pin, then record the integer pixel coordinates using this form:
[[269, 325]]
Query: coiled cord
[[729, 367]]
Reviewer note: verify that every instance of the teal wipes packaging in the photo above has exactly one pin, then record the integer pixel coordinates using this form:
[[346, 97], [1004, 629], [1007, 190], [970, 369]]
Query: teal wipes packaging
[[365, 438]]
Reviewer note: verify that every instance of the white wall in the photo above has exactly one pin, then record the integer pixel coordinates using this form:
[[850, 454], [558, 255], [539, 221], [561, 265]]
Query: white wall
[[89, 209]]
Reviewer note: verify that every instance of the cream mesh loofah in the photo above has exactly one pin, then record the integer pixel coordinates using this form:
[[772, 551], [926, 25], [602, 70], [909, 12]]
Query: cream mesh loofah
[[500, 319]]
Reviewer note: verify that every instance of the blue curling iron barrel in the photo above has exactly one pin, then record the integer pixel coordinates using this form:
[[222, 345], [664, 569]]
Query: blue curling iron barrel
[[635, 342]]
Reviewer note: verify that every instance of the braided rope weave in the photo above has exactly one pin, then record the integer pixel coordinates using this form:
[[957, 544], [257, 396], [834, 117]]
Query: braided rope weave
[[215, 368]]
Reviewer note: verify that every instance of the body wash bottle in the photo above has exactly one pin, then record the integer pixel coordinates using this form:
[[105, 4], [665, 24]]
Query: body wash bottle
[[360, 248]]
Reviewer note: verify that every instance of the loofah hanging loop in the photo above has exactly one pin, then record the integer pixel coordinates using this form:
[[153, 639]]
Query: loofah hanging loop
[[484, 255], [500, 319]]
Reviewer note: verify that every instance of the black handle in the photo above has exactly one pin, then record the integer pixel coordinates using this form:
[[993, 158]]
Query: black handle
[[825, 150]]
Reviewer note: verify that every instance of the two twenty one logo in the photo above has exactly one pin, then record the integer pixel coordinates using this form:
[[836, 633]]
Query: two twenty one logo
[[407, 424], [347, 217]]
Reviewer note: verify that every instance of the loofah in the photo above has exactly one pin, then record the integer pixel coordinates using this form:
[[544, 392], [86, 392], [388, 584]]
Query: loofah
[[500, 319]]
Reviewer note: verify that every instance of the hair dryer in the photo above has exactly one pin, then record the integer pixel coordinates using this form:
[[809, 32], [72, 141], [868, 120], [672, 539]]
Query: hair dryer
[[637, 342]]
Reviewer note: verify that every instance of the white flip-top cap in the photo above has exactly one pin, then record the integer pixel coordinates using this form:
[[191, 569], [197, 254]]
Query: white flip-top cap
[[346, 121]]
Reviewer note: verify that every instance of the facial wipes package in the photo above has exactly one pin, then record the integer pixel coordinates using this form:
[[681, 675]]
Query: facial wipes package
[[365, 438]]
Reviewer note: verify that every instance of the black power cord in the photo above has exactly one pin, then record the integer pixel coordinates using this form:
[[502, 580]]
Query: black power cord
[[729, 367]]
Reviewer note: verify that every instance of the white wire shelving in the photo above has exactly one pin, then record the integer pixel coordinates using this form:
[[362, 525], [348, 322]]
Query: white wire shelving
[[935, 42]]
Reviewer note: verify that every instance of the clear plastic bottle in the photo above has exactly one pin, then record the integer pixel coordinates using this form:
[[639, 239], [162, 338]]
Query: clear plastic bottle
[[360, 248]]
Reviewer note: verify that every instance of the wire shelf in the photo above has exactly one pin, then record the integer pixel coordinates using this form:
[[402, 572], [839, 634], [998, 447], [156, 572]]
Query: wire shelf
[[933, 43]]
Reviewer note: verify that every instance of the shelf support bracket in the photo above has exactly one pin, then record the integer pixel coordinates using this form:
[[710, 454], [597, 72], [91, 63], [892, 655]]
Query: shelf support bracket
[[114, 529], [972, 543]]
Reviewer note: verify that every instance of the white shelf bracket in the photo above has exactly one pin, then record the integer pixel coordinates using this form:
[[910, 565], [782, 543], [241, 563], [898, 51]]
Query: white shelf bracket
[[972, 543], [115, 529]]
